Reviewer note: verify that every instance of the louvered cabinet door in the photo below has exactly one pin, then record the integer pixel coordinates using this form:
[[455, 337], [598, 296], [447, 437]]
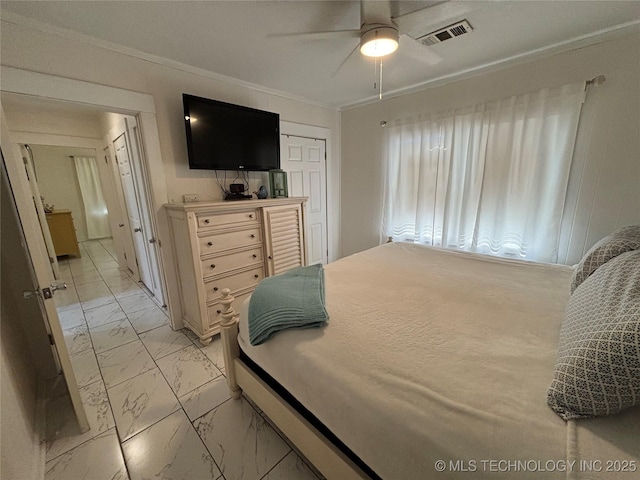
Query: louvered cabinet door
[[284, 238]]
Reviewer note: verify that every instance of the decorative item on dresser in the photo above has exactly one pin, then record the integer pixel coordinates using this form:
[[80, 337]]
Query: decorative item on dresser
[[63, 233], [278, 182], [231, 245]]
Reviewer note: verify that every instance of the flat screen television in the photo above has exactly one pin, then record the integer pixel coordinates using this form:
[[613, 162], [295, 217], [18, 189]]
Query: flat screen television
[[223, 136]]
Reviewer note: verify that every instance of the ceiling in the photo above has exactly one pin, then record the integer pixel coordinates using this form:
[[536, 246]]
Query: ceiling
[[240, 39]]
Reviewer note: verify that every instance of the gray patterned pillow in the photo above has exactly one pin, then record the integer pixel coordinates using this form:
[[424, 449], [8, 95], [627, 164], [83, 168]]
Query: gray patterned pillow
[[598, 367], [620, 241]]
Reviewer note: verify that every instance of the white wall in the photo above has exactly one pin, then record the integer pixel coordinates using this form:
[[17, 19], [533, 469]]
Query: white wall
[[33, 116], [26, 48], [607, 193], [29, 49]]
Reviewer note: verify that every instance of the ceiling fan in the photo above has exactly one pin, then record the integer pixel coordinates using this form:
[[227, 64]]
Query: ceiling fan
[[381, 33]]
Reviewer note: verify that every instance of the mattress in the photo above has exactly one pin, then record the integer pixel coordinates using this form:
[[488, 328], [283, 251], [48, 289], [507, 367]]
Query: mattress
[[435, 364]]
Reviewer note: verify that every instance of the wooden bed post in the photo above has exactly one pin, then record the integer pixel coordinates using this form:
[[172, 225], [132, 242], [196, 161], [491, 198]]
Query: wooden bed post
[[229, 337]]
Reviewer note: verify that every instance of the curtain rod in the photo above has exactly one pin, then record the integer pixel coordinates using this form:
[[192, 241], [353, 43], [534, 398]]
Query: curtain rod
[[596, 81]]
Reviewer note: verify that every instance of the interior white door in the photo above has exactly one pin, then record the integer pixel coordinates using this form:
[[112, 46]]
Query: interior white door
[[29, 166], [133, 208], [147, 219], [122, 237], [36, 250], [304, 159]]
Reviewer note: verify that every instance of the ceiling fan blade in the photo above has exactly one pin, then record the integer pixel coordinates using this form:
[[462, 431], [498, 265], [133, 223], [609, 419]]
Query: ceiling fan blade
[[345, 60], [421, 22], [321, 35], [417, 51]]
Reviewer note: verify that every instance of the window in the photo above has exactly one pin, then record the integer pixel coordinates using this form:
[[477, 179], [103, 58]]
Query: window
[[490, 178]]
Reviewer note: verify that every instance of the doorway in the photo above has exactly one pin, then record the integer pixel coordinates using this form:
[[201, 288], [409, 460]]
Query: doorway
[[45, 89], [62, 186]]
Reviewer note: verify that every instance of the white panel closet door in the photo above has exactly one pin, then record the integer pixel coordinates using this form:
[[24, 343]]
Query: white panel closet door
[[133, 210], [304, 160]]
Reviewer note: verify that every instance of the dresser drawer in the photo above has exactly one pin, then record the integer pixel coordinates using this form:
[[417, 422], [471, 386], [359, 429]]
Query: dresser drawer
[[224, 241], [231, 261], [237, 281], [215, 310], [205, 221]]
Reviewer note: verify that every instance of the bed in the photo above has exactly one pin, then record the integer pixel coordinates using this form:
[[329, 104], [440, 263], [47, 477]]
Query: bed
[[434, 364]]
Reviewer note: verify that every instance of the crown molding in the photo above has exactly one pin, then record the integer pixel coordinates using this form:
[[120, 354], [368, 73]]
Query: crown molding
[[526, 57], [542, 52], [43, 27]]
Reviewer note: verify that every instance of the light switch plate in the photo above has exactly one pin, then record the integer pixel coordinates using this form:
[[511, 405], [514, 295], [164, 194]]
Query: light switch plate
[[190, 197]]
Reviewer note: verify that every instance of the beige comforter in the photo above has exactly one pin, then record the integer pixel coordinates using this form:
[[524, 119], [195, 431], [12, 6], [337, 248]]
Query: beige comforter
[[435, 364]]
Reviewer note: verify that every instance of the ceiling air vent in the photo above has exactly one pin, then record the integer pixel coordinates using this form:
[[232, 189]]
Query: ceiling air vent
[[446, 33]]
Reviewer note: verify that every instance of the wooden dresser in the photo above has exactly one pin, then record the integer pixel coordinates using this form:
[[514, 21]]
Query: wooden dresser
[[63, 233], [231, 245]]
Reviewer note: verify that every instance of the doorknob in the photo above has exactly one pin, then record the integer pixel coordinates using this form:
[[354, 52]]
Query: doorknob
[[137, 229], [46, 292], [55, 286]]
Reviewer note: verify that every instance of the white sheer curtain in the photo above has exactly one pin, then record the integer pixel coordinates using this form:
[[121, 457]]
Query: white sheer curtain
[[490, 178], [95, 207]]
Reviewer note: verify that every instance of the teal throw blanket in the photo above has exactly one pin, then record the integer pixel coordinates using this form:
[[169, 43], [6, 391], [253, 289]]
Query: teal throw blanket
[[294, 299]]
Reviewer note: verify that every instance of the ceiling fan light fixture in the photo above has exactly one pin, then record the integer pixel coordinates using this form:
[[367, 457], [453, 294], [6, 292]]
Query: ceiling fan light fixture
[[379, 41]]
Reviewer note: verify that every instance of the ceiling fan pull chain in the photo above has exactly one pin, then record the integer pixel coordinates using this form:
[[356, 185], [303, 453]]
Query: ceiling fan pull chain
[[380, 96], [375, 73]]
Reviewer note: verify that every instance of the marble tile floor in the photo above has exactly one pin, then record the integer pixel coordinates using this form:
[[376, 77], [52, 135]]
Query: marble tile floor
[[156, 400]]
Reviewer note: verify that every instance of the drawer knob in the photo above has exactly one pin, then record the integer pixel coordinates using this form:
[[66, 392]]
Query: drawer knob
[[251, 215], [253, 235], [210, 244], [206, 220], [256, 275], [270, 257], [212, 265], [255, 256], [218, 312], [215, 289]]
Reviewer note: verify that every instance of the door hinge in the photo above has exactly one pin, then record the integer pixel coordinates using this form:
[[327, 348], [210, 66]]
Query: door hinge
[[51, 340], [51, 260]]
